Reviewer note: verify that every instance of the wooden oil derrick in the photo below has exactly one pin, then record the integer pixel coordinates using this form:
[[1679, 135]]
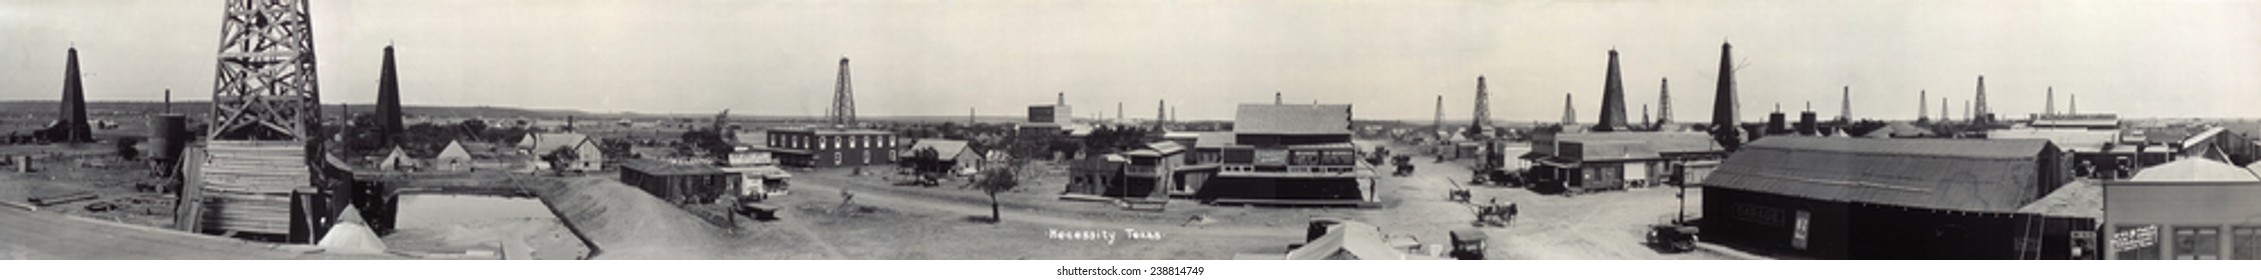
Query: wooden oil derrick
[[258, 171]]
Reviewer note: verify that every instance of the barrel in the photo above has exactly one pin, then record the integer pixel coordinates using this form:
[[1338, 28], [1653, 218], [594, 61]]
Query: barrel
[[168, 134]]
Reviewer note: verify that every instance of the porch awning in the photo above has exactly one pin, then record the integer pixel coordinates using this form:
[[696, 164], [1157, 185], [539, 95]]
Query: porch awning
[[1556, 162]]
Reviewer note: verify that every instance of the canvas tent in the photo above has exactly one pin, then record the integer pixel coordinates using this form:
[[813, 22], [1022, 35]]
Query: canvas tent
[[453, 158], [397, 160]]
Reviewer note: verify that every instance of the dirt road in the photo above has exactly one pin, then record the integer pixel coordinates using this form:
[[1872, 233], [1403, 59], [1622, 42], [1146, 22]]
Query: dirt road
[[1603, 226], [880, 197]]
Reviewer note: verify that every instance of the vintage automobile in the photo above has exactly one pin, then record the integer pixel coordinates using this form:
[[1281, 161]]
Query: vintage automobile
[[1673, 236], [1468, 244]]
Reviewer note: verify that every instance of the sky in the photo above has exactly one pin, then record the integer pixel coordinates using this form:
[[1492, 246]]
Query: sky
[[1390, 59]]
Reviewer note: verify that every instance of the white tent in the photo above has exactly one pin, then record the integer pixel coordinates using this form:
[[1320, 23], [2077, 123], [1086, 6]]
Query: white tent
[[453, 158], [397, 160]]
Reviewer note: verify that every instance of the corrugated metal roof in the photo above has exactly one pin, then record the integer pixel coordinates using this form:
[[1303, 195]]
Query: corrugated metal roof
[[2080, 140], [2079, 199], [1215, 140], [1661, 142], [1968, 175], [1597, 151], [1899, 130], [1959, 148], [1165, 147], [832, 131], [662, 168], [2076, 123], [1292, 119], [2194, 170]]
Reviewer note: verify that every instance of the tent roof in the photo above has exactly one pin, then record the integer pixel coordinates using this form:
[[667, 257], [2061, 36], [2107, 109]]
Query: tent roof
[[2079, 199], [2194, 170], [1354, 240], [454, 150], [1969, 175]]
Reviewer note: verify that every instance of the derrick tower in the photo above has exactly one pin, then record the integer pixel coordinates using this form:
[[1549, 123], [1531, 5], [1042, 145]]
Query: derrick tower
[[265, 113], [843, 110], [1483, 115]]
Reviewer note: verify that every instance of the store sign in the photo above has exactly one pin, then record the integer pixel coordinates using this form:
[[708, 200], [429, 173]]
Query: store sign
[[2138, 238], [1272, 157]]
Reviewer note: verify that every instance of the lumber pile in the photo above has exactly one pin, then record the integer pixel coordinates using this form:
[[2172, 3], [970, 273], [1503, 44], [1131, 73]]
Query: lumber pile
[[245, 186]]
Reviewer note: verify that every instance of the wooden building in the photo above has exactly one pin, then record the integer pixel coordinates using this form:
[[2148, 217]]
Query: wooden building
[[1583, 162], [1153, 169], [2188, 209], [678, 183], [588, 157], [1099, 176], [956, 154], [1852, 198], [757, 170], [1292, 154], [831, 147]]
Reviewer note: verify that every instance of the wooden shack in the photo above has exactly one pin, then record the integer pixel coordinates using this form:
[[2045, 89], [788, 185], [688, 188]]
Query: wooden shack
[[678, 183]]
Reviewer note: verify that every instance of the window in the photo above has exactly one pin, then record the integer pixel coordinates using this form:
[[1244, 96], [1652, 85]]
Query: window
[[2245, 243], [2198, 243]]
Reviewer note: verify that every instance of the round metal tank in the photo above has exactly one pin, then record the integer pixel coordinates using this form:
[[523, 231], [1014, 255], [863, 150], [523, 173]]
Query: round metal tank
[[168, 134]]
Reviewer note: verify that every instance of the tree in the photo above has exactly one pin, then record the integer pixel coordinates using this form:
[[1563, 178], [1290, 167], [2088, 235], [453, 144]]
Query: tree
[[993, 182], [926, 163], [561, 157], [475, 128], [703, 142]]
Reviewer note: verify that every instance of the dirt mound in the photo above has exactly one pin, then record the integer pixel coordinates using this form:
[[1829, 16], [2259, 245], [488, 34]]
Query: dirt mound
[[626, 223]]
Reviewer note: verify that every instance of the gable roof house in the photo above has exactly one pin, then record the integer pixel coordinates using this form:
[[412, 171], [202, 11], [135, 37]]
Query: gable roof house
[[584, 148]]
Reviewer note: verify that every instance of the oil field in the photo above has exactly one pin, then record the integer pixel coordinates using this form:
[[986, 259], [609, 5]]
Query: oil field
[[534, 152]]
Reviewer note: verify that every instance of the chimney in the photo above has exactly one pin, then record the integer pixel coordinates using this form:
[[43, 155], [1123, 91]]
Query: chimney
[[1613, 99], [1776, 122], [1060, 100], [2051, 107], [1276, 99], [168, 100], [1806, 125], [1923, 106], [1161, 114], [2072, 104], [1645, 116], [568, 123], [1724, 104]]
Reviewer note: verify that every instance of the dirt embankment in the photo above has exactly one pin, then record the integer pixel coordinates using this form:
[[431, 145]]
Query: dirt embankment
[[622, 222]]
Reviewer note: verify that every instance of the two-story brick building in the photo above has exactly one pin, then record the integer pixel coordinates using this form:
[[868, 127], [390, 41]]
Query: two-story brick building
[[832, 147]]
